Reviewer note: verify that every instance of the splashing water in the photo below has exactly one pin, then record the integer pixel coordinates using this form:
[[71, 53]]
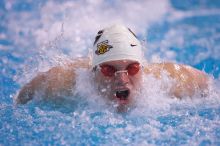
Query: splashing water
[[37, 35]]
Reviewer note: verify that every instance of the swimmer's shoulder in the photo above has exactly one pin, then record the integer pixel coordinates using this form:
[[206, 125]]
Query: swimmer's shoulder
[[188, 79], [63, 78], [65, 72], [157, 68], [172, 69], [81, 62], [57, 80]]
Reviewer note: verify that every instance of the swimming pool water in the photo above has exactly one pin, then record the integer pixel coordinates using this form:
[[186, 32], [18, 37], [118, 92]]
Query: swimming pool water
[[36, 35]]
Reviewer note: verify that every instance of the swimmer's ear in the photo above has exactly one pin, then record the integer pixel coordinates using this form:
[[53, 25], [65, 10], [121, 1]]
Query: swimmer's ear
[[99, 34]]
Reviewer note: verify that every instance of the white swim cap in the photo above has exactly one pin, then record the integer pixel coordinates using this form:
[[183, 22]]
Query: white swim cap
[[116, 43]]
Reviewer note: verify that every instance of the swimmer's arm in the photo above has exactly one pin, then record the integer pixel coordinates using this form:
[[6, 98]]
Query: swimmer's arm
[[58, 81], [48, 84], [188, 80]]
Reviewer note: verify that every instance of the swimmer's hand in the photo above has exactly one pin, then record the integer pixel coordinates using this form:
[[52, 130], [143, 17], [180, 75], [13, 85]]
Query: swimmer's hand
[[188, 80], [27, 91], [57, 82]]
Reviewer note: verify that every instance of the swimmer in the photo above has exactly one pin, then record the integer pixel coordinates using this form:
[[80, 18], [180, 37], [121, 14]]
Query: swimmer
[[118, 66]]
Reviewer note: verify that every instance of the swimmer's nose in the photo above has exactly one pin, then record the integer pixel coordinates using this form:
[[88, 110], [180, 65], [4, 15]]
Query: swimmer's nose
[[121, 78]]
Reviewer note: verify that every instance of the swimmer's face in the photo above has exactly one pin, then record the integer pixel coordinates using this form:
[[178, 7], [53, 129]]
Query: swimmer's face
[[119, 80]]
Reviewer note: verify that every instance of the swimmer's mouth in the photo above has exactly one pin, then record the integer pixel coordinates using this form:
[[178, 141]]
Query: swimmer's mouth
[[122, 94]]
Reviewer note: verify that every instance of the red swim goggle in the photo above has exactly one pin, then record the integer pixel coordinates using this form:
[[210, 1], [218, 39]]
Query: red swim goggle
[[110, 71]]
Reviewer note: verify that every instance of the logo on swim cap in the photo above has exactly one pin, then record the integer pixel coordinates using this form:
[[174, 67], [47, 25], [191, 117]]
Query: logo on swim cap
[[116, 42], [103, 47]]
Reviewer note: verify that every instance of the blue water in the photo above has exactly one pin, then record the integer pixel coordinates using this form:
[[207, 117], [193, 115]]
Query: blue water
[[36, 35]]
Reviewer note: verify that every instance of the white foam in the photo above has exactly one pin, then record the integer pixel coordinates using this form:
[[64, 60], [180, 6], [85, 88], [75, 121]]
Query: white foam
[[81, 19], [58, 31]]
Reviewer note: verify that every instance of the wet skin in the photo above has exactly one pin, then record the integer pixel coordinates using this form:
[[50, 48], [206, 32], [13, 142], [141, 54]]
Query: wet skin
[[60, 81], [121, 87]]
